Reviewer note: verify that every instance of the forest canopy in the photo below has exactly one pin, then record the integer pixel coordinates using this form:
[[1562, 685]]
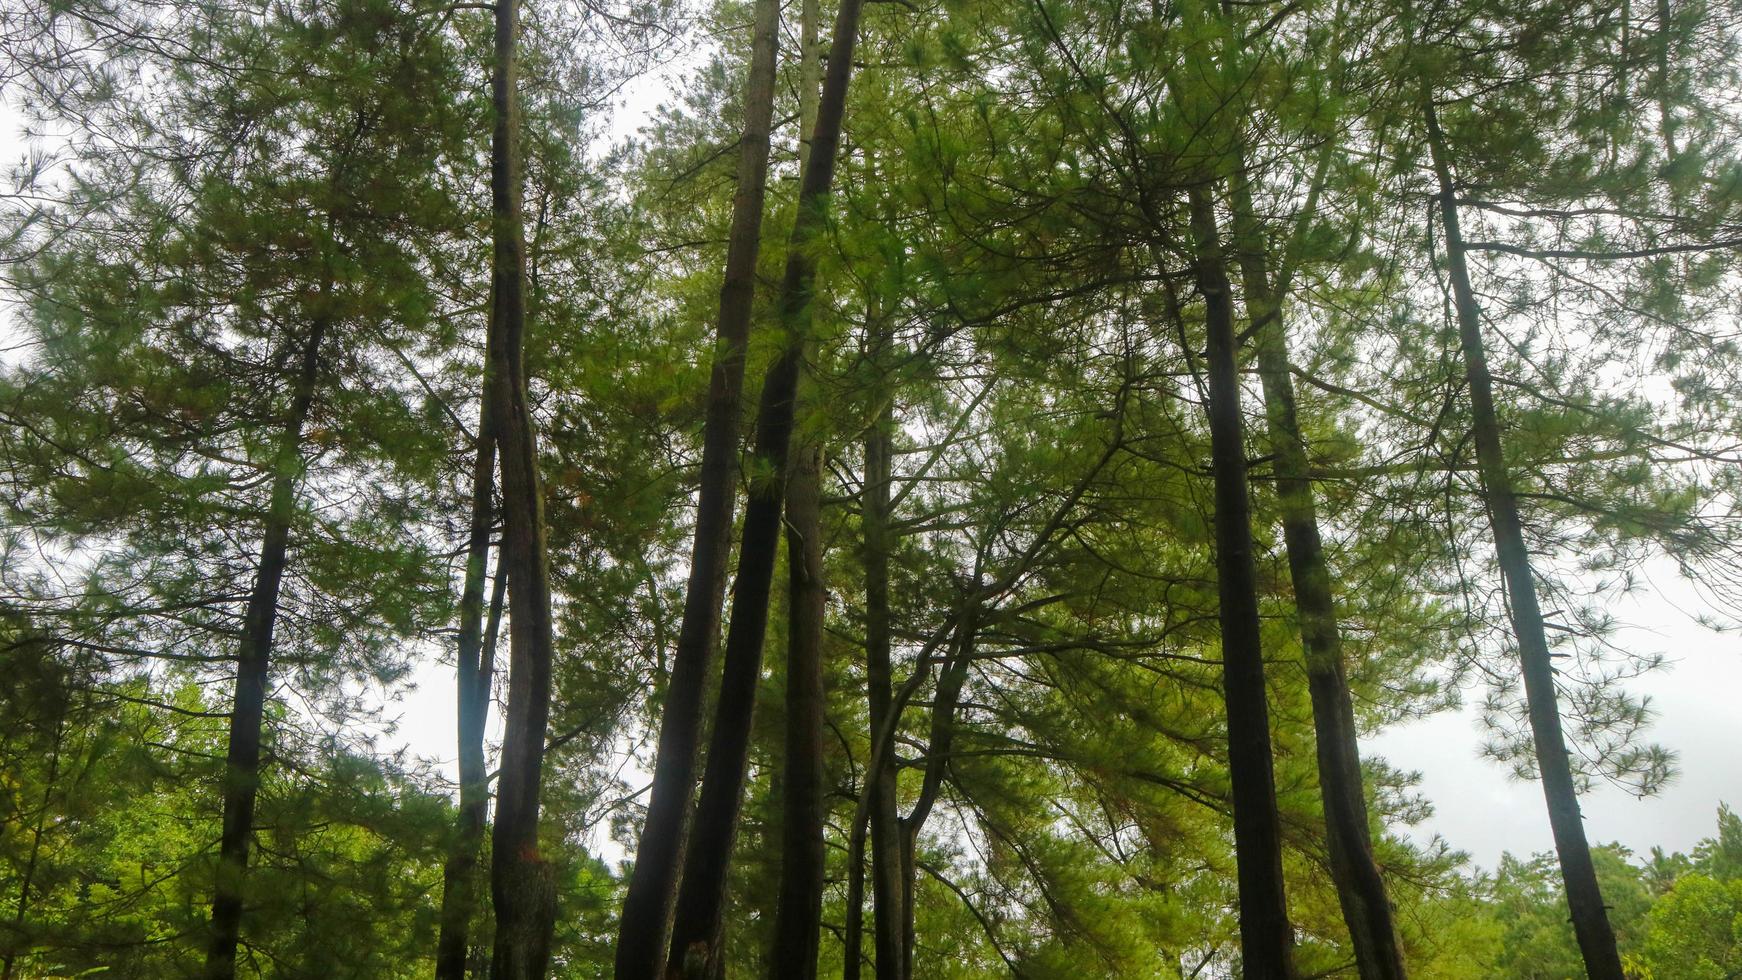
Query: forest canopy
[[901, 489]]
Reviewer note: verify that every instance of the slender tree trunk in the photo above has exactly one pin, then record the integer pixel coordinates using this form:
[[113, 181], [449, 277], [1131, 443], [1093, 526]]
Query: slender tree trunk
[[951, 676], [1590, 920], [886, 864], [1667, 125], [852, 934], [888, 895], [799, 913], [242, 757], [798, 916], [28, 879], [1360, 888], [521, 884], [810, 79], [1266, 938], [647, 906], [701, 897], [472, 683]]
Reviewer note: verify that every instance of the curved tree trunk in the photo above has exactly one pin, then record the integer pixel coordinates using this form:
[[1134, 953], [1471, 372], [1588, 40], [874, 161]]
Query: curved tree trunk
[[472, 685], [521, 884], [1590, 919], [1360, 888], [248, 699], [951, 676], [647, 905], [1266, 938], [701, 897]]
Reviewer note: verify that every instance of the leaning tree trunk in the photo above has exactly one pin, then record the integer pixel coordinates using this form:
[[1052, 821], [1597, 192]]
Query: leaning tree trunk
[[472, 684], [1360, 889], [647, 905], [522, 887], [242, 758], [701, 897], [1266, 938], [798, 913], [1590, 920], [951, 676]]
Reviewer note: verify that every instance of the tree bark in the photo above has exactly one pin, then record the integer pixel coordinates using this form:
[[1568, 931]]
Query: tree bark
[[701, 896], [1360, 888], [472, 685], [1266, 938], [248, 698], [799, 912], [522, 887], [1590, 920], [798, 915], [884, 828], [951, 676], [647, 905], [28, 879], [887, 893]]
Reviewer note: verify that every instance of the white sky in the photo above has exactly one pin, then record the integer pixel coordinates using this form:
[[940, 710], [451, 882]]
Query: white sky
[[1480, 808]]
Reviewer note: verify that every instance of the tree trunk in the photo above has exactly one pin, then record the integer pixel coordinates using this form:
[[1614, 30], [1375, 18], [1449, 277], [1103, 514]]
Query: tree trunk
[[1360, 889], [852, 933], [647, 905], [1265, 935], [701, 897], [242, 757], [888, 901], [885, 831], [810, 79], [521, 884], [951, 676], [799, 912], [1590, 920], [28, 879], [472, 684], [798, 916]]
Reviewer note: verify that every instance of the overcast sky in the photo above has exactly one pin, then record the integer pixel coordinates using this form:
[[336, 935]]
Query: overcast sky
[[1480, 808]]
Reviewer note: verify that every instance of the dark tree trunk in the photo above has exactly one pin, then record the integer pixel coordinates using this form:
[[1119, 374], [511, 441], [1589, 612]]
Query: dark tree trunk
[[647, 906], [852, 933], [1590, 920], [1360, 889], [1266, 938], [28, 878], [242, 758], [887, 894], [472, 682], [885, 830], [799, 912], [701, 897], [951, 676], [521, 884]]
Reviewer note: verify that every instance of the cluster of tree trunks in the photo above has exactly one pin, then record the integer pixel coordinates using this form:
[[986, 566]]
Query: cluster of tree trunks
[[672, 923], [653, 884]]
